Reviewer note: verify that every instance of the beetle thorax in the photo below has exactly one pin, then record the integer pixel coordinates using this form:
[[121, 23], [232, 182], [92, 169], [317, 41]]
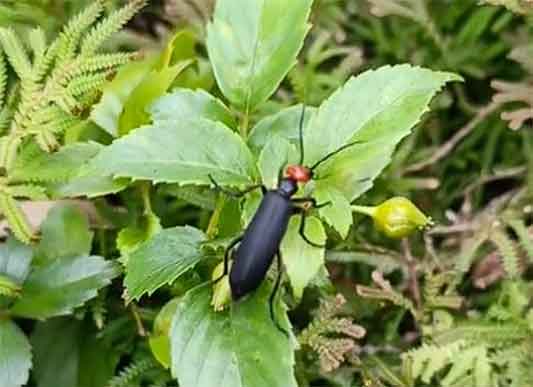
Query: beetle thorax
[[287, 187]]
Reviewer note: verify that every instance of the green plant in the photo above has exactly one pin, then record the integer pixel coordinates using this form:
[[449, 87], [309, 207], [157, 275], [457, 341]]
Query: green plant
[[111, 287]]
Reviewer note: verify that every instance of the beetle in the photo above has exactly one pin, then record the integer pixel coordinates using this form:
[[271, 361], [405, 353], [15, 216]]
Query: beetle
[[261, 240]]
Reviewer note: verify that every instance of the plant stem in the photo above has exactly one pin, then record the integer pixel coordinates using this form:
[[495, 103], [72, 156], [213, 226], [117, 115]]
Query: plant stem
[[212, 228], [413, 285], [145, 193], [140, 327], [243, 127], [366, 210]]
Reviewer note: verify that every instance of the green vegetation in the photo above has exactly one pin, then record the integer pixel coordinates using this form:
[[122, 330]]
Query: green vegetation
[[116, 117]]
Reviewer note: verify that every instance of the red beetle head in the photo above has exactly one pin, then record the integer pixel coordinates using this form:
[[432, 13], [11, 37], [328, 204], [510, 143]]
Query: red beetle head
[[298, 173]]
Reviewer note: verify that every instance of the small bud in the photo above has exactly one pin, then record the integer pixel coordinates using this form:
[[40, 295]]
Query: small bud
[[221, 289], [396, 217]]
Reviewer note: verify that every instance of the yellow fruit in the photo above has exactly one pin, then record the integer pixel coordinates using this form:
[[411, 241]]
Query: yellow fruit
[[396, 217]]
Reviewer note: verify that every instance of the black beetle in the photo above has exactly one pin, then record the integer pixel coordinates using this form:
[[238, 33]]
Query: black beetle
[[260, 242]]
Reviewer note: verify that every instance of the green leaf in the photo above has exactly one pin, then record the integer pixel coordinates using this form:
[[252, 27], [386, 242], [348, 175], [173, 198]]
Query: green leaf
[[253, 45], [338, 214], [131, 237], [302, 261], [241, 347], [378, 104], [88, 184], [152, 86], [15, 355], [162, 259], [160, 339], [377, 108], [136, 85], [273, 158], [285, 124], [250, 206], [352, 171], [56, 347], [70, 346], [230, 219], [61, 285], [65, 233], [15, 260], [184, 104], [203, 197], [103, 359], [184, 151], [107, 112]]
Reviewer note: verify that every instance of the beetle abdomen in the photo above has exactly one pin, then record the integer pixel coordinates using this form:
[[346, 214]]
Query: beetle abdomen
[[260, 243]]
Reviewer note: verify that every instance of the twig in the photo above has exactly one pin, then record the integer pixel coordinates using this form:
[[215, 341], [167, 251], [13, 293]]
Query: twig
[[499, 175], [140, 327], [449, 145], [455, 228], [410, 262]]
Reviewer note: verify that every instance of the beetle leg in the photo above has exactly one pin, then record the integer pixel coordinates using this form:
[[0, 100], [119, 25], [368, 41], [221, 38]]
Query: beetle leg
[[227, 253], [275, 291], [308, 203], [236, 194], [301, 231]]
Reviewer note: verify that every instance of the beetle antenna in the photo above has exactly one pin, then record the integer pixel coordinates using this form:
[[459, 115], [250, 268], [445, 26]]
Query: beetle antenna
[[301, 134], [330, 155]]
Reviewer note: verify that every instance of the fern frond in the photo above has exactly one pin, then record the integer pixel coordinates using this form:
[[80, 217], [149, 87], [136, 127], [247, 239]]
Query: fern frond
[[427, 360], [7, 112], [469, 364], [520, 371], [6, 115], [8, 150], [432, 291], [69, 39], [131, 373], [16, 218], [3, 78], [29, 191], [517, 361], [386, 292], [93, 64], [37, 41], [113, 23], [317, 335], [15, 52], [99, 310], [57, 127], [468, 253], [86, 84], [46, 139], [474, 360], [490, 333], [526, 240], [507, 249], [62, 80], [47, 114], [43, 64]]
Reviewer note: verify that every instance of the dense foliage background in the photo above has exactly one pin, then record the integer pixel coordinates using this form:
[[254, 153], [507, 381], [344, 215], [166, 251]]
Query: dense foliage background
[[449, 306]]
